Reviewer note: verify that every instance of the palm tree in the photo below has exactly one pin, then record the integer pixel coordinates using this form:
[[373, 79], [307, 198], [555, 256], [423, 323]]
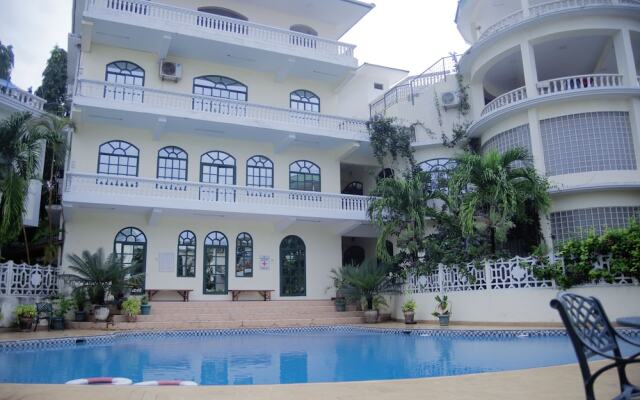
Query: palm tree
[[400, 208], [492, 191], [368, 279], [99, 275], [19, 157], [56, 130]]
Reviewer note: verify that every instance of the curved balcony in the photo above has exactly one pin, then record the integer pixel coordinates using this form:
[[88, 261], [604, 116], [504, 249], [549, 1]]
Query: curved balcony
[[507, 99], [551, 8], [136, 101], [113, 190]]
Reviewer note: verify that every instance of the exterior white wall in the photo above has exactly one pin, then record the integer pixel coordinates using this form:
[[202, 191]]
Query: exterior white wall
[[84, 154], [89, 229], [529, 306]]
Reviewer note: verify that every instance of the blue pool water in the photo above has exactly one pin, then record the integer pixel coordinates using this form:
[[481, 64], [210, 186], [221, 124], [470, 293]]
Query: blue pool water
[[282, 356]]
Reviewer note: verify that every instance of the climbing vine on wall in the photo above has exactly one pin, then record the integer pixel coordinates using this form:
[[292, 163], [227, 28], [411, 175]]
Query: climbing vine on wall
[[391, 140]]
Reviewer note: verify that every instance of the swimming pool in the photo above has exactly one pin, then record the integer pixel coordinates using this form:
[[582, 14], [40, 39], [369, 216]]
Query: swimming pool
[[283, 355]]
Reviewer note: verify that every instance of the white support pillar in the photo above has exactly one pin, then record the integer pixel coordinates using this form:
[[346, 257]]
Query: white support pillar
[[525, 8], [476, 91], [624, 58], [529, 69], [634, 117]]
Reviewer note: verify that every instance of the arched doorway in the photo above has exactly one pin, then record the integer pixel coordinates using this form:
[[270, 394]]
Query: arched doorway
[[293, 267]]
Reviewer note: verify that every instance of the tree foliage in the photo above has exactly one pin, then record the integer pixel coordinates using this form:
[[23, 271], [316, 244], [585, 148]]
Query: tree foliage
[[491, 191], [390, 139], [7, 60], [54, 83]]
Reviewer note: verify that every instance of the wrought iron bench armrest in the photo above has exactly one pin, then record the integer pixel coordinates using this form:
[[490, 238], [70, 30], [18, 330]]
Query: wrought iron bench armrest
[[626, 339]]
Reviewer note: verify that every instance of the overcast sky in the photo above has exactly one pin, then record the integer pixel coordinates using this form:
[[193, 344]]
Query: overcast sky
[[407, 34]]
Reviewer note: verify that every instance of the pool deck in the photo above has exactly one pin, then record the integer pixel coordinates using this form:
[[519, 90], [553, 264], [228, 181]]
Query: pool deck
[[550, 383]]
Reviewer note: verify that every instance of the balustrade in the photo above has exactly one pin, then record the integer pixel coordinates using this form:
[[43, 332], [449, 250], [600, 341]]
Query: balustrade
[[21, 96], [512, 97], [24, 280], [579, 82]]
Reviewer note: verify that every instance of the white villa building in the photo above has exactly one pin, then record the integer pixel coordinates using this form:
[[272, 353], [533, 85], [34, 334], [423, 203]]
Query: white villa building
[[223, 143]]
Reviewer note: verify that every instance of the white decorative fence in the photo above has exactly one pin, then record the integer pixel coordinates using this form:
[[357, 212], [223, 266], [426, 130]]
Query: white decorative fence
[[512, 273], [182, 20], [24, 280], [138, 98], [512, 97]]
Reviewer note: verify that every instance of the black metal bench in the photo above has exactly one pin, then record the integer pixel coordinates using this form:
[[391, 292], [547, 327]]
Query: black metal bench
[[592, 334]]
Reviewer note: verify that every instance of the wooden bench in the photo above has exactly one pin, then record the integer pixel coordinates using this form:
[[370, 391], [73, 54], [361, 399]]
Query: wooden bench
[[265, 293], [184, 293]]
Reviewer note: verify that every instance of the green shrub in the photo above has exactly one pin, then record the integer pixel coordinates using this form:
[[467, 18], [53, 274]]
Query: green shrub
[[131, 306], [409, 306], [26, 311]]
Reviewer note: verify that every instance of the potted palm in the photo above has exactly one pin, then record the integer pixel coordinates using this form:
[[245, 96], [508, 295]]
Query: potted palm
[[145, 307], [443, 310], [61, 307], [131, 308], [369, 279], [409, 310], [25, 314], [80, 299]]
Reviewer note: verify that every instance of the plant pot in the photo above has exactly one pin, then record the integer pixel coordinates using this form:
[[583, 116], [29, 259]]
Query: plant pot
[[341, 304], [444, 320], [408, 317], [132, 318], [80, 316], [101, 313], [145, 309], [26, 323], [371, 316], [57, 323]]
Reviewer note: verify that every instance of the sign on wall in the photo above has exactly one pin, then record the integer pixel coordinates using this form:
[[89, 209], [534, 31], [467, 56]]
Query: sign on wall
[[265, 262]]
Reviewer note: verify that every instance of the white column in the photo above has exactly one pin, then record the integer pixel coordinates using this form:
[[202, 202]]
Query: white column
[[634, 117], [537, 152], [624, 58], [529, 69], [525, 8], [476, 96]]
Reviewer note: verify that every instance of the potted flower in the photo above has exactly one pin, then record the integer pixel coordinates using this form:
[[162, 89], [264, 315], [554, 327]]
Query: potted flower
[[409, 310], [80, 299], [131, 308], [443, 310], [61, 307], [25, 314], [145, 307], [368, 280]]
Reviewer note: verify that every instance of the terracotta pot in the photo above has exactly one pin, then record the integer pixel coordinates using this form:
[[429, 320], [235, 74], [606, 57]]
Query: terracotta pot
[[132, 318]]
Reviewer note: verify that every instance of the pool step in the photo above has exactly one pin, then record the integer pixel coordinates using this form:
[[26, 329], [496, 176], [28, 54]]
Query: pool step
[[228, 314]]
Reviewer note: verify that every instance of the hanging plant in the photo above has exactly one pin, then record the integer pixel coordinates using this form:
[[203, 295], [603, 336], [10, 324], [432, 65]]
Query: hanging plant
[[389, 139]]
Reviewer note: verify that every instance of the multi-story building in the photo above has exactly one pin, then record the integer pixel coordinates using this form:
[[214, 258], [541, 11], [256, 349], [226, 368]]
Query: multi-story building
[[559, 78], [221, 144]]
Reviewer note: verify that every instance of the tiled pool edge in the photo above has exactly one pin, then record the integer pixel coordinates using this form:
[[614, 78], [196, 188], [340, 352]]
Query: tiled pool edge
[[31, 344]]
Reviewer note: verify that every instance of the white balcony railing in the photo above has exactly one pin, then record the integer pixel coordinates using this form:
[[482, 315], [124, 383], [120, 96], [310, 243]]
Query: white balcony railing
[[579, 82], [549, 8], [512, 97], [23, 97], [151, 100], [208, 195], [181, 20]]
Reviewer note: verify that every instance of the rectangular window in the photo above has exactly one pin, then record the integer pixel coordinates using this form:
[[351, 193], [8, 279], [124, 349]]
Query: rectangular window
[[378, 86]]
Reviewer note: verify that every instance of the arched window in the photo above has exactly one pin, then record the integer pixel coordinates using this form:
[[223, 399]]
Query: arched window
[[216, 264], [354, 256], [304, 175], [354, 188], [223, 12], [118, 157], [438, 169], [386, 173], [172, 163], [293, 269], [220, 168], [307, 30], [186, 254], [220, 86], [259, 172], [130, 245], [124, 73], [244, 255], [304, 100]]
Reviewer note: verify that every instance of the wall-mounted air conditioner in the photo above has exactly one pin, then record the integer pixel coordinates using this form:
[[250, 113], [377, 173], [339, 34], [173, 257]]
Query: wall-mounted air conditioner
[[450, 100], [170, 71]]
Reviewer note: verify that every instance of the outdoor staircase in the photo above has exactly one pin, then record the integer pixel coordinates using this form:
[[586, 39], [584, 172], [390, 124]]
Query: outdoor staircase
[[236, 314]]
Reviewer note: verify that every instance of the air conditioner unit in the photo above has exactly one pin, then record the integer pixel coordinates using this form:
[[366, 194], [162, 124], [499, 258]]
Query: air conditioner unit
[[170, 71], [450, 100]]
